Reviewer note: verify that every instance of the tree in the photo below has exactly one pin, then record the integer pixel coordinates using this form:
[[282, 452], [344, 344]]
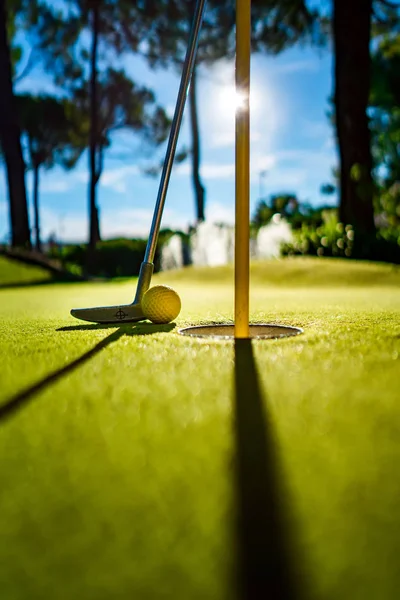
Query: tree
[[385, 108], [51, 127], [279, 24], [352, 30], [94, 226], [262, 214], [120, 104], [98, 15], [199, 189], [352, 26], [385, 126], [113, 26], [60, 34], [328, 189], [276, 25], [286, 205], [166, 46], [10, 140]]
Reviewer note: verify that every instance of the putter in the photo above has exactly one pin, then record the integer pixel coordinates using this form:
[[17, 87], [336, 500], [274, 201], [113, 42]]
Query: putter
[[133, 312]]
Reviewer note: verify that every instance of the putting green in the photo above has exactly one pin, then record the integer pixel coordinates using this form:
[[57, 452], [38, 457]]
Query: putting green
[[137, 463], [14, 273]]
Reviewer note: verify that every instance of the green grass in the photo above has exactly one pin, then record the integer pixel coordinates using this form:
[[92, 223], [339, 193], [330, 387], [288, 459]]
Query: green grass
[[15, 273], [299, 272], [119, 476]]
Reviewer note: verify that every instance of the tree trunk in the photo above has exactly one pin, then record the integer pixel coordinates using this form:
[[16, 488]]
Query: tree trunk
[[10, 137], [352, 34], [38, 244], [94, 227], [97, 224], [199, 190]]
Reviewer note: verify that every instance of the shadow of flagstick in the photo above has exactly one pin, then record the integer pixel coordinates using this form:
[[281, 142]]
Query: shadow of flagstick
[[264, 561], [17, 402]]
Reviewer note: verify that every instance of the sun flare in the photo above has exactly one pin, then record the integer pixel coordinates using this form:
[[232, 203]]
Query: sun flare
[[232, 100]]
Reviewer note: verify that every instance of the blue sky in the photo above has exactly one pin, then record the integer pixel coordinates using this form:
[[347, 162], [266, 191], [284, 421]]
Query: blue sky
[[291, 144]]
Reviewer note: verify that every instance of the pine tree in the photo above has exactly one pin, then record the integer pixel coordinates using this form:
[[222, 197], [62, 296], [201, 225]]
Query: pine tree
[[113, 26], [276, 25], [353, 24], [10, 135], [51, 128]]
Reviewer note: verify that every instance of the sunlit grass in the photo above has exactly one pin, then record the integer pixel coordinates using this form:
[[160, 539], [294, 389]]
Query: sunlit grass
[[13, 272], [117, 477]]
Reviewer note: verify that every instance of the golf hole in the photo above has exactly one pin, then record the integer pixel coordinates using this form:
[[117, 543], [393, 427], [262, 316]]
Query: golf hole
[[227, 331]]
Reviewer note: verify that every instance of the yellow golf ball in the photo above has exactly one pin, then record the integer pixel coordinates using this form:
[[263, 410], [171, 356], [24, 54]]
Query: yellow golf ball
[[161, 304]]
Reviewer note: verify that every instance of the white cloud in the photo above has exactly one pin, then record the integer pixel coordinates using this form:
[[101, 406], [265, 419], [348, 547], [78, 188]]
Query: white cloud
[[292, 168], [286, 178], [255, 136], [226, 139], [262, 162], [37, 84], [52, 182], [227, 170], [223, 139], [277, 170], [74, 227], [220, 213], [209, 170], [115, 179], [170, 110], [175, 220], [216, 171], [69, 227], [125, 222], [81, 175]]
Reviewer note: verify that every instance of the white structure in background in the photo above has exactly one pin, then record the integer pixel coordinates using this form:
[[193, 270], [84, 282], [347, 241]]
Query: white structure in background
[[172, 254], [212, 245], [253, 248], [271, 237]]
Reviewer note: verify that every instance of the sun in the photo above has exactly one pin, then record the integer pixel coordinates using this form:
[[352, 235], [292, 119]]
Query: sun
[[232, 101]]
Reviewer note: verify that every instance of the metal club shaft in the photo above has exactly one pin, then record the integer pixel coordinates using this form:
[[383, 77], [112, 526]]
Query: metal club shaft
[[175, 128]]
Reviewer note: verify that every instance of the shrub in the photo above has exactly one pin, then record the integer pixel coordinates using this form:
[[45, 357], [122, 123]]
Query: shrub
[[114, 258], [333, 238], [329, 239]]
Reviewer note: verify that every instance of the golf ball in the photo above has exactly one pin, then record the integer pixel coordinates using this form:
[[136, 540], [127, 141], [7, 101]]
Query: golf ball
[[161, 304]]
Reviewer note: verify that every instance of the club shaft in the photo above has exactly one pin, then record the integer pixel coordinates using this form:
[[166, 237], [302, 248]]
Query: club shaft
[[175, 128], [242, 177]]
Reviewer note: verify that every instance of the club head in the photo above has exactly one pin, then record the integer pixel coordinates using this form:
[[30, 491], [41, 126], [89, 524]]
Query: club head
[[110, 314]]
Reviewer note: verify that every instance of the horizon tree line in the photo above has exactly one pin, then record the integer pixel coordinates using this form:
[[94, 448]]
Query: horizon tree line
[[77, 43]]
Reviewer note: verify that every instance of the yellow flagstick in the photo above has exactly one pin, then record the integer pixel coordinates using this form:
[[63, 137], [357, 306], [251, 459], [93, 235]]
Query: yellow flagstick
[[242, 211]]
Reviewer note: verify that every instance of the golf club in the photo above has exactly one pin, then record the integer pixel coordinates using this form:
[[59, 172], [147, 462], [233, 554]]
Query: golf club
[[133, 312]]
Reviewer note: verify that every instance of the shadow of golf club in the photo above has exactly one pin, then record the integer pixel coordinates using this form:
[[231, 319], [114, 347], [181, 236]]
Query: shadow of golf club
[[17, 402], [264, 559], [128, 328]]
